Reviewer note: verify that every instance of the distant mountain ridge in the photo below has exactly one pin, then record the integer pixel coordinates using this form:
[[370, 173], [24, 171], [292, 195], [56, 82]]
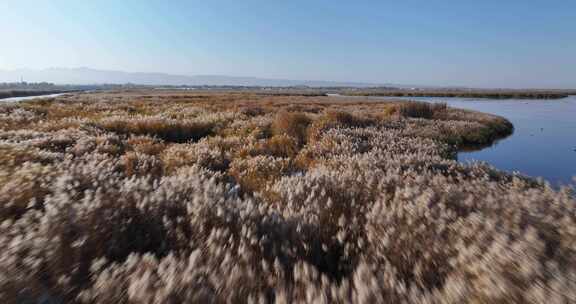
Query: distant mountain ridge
[[78, 76]]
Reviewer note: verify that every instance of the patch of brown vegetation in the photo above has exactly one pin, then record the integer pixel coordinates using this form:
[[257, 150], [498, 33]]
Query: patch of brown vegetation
[[292, 124]]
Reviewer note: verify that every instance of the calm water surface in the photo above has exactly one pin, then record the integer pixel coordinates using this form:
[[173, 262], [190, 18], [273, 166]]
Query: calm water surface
[[15, 99], [544, 139]]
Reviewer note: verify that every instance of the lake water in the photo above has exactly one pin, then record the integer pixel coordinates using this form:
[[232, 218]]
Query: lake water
[[15, 99], [544, 139]]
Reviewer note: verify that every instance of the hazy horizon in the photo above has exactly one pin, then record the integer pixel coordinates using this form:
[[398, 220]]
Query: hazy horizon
[[489, 44]]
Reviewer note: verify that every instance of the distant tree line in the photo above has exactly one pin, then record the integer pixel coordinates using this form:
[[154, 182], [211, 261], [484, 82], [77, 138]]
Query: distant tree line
[[27, 86]]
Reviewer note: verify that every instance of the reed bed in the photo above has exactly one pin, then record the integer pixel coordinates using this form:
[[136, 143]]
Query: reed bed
[[269, 199]]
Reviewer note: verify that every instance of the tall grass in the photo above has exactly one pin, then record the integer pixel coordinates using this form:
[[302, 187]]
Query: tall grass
[[292, 124], [170, 130], [417, 109], [270, 206]]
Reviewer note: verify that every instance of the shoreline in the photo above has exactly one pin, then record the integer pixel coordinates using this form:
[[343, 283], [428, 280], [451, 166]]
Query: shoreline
[[24, 93], [472, 94]]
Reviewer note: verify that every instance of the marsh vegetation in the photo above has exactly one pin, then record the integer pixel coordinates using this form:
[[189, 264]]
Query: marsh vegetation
[[148, 197]]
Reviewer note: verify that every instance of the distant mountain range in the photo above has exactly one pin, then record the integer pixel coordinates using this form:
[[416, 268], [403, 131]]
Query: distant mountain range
[[78, 76]]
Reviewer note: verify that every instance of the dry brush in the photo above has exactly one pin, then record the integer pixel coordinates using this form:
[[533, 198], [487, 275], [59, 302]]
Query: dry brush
[[146, 197]]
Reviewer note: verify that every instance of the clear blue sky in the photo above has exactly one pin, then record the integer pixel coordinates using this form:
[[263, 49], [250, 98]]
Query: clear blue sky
[[485, 43]]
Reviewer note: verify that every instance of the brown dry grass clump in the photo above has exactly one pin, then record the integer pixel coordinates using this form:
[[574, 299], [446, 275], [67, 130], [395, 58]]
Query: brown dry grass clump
[[292, 124], [331, 119], [417, 109], [170, 130], [179, 197]]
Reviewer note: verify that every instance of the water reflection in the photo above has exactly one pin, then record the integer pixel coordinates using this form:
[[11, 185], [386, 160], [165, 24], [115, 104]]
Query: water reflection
[[544, 140]]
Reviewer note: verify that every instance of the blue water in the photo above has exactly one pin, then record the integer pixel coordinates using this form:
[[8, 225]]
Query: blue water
[[544, 139]]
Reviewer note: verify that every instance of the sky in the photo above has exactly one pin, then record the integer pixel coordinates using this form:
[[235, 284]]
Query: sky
[[485, 43]]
